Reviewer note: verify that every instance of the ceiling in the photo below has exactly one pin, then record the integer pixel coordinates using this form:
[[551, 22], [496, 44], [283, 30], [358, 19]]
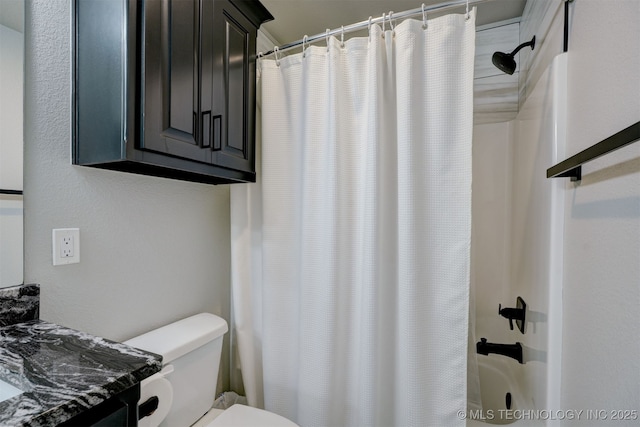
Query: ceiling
[[295, 18]]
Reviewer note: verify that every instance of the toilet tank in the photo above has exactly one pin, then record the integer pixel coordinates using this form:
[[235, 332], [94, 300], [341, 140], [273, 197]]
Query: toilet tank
[[193, 346]]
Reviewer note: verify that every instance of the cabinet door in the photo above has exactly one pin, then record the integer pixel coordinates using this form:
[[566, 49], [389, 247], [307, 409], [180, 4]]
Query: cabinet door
[[120, 410], [171, 56], [233, 118]]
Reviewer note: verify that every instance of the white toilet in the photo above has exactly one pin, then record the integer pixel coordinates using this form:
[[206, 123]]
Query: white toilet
[[186, 386]]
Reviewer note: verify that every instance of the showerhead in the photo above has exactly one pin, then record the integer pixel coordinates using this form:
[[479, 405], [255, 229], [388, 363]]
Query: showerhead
[[505, 61]]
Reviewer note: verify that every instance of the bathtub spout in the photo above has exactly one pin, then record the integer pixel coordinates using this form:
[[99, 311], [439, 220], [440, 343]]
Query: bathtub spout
[[510, 350]]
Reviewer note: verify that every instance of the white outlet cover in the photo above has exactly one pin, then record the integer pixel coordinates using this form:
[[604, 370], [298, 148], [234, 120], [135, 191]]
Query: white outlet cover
[[65, 246]]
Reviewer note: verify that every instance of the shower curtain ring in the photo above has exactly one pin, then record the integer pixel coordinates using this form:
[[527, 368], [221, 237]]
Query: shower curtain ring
[[467, 9], [304, 42], [342, 37], [369, 28], [276, 51], [383, 23], [424, 18], [393, 31]]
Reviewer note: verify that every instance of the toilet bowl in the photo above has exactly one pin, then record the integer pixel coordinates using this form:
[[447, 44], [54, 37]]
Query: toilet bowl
[[183, 392]]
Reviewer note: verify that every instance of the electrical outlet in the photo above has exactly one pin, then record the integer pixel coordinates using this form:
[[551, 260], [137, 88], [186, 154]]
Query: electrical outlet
[[66, 246]]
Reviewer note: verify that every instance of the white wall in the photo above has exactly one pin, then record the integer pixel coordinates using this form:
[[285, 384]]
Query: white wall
[[517, 237], [600, 262], [536, 233], [601, 353], [490, 238], [153, 250]]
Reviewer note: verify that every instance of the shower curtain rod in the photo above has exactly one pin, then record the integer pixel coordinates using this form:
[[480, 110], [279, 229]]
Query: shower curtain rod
[[365, 24]]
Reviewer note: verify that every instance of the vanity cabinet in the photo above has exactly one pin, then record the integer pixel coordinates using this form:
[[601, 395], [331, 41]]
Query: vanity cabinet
[[119, 411], [70, 378], [167, 87]]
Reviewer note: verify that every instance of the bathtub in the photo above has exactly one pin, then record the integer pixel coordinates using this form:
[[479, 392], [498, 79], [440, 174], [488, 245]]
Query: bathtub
[[497, 378]]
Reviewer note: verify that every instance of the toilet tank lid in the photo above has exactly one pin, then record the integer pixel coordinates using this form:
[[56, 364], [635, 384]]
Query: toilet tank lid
[[181, 337]]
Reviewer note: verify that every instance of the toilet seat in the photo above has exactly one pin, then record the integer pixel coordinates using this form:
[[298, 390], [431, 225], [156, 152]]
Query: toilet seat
[[245, 416]]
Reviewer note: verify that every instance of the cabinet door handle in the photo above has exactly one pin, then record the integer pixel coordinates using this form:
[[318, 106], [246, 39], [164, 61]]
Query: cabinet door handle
[[195, 128], [217, 133], [206, 129]]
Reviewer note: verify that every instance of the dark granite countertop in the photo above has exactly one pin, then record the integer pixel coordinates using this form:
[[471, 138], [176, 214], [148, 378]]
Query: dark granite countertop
[[62, 372]]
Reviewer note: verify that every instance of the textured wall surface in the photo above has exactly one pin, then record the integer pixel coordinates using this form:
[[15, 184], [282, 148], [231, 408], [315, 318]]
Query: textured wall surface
[[152, 250]]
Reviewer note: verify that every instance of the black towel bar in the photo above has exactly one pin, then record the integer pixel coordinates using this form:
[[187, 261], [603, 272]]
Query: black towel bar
[[572, 167]]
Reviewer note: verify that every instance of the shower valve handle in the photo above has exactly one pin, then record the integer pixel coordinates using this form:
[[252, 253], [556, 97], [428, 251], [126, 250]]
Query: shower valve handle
[[510, 319], [517, 313]]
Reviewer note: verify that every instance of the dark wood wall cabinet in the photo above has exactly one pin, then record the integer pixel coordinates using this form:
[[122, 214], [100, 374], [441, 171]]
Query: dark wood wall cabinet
[[167, 87]]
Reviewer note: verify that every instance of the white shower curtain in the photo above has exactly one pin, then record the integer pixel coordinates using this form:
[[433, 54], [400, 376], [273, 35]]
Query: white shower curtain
[[350, 256]]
